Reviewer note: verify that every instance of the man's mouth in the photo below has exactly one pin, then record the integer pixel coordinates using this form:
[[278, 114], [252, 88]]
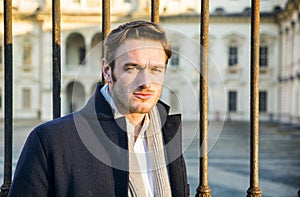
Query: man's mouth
[[143, 95]]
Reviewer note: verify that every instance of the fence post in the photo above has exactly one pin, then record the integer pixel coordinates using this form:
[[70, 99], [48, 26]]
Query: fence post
[[203, 189], [105, 18], [105, 25], [8, 99], [56, 58], [254, 190], [155, 11]]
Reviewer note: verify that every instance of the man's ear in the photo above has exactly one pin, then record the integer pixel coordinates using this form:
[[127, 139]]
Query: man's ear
[[106, 70]]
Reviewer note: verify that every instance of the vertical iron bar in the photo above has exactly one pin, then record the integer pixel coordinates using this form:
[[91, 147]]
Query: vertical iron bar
[[203, 188], [105, 25], [105, 18], [56, 58], [254, 190], [8, 99], [155, 11]]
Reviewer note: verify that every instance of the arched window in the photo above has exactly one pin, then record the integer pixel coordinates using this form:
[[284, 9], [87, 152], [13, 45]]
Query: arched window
[[234, 43], [96, 40], [95, 55], [75, 96], [75, 50]]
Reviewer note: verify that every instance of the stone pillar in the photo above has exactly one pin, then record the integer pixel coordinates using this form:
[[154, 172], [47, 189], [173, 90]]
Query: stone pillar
[[280, 76], [292, 72]]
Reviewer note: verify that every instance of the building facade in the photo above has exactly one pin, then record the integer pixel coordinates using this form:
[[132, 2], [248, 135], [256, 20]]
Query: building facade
[[229, 56]]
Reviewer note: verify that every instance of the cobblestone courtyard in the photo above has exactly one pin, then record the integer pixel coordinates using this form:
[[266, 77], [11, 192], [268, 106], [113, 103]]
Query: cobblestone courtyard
[[228, 158]]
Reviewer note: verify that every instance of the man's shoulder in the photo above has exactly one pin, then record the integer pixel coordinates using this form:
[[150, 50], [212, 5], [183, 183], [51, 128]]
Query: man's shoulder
[[56, 127]]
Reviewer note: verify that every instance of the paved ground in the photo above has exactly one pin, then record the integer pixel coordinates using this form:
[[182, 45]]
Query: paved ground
[[228, 158], [229, 161]]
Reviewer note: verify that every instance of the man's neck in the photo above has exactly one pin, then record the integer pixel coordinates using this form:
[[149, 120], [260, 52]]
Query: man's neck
[[137, 120]]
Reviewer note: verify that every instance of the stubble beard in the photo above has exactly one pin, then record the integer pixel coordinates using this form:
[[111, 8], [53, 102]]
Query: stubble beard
[[127, 104], [124, 105]]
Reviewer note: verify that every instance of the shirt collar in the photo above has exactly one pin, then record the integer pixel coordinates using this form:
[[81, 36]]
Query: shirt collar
[[105, 92]]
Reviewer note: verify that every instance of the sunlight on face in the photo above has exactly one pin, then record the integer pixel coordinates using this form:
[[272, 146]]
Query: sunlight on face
[[139, 72]]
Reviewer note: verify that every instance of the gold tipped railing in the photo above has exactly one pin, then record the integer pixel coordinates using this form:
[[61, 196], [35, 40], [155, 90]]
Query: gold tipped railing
[[254, 190], [203, 189]]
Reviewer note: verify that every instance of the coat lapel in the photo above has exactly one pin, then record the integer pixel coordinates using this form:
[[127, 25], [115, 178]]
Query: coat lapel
[[111, 136], [114, 137]]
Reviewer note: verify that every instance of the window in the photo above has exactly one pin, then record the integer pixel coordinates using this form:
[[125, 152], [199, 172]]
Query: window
[[0, 98], [263, 56], [232, 101], [75, 50], [263, 101], [27, 52], [233, 56], [1, 54], [26, 98], [127, 1], [175, 56], [82, 55]]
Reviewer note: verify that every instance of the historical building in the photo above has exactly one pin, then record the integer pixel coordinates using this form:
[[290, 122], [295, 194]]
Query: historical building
[[229, 56]]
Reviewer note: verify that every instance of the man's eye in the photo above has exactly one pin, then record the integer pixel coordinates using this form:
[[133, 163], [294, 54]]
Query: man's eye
[[130, 68], [157, 70]]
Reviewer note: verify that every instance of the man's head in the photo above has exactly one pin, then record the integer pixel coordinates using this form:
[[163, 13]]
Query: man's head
[[140, 30], [134, 65]]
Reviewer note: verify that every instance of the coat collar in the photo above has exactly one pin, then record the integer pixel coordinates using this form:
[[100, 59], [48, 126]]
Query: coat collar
[[99, 116], [102, 109]]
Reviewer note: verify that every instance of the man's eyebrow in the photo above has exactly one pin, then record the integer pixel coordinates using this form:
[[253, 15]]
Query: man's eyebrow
[[134, 65], [159, 66]]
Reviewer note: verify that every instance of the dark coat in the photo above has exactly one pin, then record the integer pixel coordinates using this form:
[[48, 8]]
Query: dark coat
[[85, 154]]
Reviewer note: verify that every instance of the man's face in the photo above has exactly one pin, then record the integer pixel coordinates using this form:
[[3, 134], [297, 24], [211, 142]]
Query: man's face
[[136, 81]]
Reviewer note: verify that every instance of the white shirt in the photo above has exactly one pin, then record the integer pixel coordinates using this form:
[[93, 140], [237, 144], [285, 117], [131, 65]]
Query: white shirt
[[139, 146]]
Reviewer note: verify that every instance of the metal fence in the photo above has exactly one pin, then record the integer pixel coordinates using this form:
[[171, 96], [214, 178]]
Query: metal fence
[[203, 188]]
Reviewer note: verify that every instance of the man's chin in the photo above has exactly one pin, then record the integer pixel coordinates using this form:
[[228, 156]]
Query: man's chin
[[140, 109]]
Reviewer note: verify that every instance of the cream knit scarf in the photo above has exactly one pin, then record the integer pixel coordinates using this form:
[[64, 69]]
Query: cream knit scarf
[[161, 184]]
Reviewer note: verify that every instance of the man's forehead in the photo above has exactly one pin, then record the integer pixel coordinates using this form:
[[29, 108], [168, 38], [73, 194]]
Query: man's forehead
[[134, 45]]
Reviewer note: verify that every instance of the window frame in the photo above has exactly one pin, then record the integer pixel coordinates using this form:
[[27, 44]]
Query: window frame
[[26, 98], [263, 57], [233, 54], [263, 101], [232, 101], [27, 48]]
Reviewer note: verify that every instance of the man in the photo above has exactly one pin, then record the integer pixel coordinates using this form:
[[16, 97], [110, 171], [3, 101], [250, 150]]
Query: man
[[123, 142]]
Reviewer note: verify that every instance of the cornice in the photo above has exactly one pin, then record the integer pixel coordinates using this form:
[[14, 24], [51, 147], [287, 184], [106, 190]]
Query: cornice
[[96, 17], [214, 19], [291, 7]]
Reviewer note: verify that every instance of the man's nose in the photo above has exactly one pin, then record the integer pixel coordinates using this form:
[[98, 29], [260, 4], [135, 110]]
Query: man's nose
[[145, 79]]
